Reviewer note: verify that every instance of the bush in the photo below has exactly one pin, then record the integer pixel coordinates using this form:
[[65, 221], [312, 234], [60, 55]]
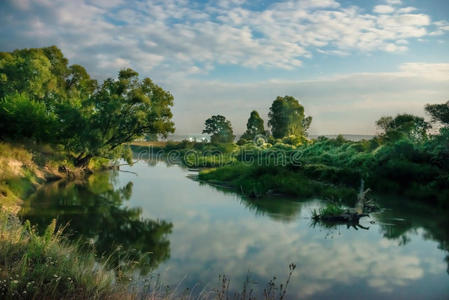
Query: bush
[[21, 117]]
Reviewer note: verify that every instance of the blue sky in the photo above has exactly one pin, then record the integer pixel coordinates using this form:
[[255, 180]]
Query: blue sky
[[348, 62]]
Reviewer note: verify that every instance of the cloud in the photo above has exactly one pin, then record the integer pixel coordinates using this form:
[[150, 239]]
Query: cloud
[[174, 42], [383, 9], [178, 38]]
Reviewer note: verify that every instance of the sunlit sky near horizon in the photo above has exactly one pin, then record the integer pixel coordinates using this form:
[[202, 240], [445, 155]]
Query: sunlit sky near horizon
[[348, 62]]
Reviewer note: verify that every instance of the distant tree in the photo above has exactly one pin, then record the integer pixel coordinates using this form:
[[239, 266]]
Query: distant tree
[[403, 126], [384, 123], [439, 112], [219, 128], [254, 127], [286, 117]]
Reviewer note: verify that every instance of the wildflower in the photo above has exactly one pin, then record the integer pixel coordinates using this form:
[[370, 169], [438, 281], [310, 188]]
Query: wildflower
[[15, 281]]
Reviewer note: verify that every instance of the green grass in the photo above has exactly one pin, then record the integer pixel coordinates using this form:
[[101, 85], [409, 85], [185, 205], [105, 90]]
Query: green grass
[[48, 266], [330, 210], [257, 181]]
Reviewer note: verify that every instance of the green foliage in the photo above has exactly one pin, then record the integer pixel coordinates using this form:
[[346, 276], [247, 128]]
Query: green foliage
[[439, 112], [220, 129], [417, 168], [44, 99], [295, 140], [403, 126], [47, 266], [286, 117], [119, 112], [254, 127], [330, 210], [259, 180], [22, 117]]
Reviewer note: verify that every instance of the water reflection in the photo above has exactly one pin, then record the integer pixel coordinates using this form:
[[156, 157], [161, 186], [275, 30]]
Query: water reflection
[[403, 219], [219, 232], [275, 207], [95, 212]]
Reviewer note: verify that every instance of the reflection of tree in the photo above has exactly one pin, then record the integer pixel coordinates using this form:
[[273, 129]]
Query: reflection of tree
[[403, 217], [278, 208], [95, 212]]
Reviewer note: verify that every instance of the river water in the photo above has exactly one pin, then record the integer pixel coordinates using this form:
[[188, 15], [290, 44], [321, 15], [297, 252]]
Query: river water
[[194, 232]]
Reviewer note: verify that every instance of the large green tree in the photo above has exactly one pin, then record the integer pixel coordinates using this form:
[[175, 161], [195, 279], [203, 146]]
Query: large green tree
[[119, 112], [220, 129], [403, 126], [45, 99], [254, 126], [286, 117]]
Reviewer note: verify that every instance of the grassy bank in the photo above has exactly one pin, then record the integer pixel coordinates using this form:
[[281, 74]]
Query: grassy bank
[[328, 167], [44, 266], [48, 266], [257, 181]]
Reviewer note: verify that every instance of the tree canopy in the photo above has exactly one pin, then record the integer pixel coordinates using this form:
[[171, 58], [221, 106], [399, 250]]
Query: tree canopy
[[117, 113], [286, 117], [45, 99], [219, 128], [403, 126], [254, 126]]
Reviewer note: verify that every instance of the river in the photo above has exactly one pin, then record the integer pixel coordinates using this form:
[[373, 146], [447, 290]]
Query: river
[[195, 232]]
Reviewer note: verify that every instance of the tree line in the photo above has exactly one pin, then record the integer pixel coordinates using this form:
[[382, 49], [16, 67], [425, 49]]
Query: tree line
[[286, 119]]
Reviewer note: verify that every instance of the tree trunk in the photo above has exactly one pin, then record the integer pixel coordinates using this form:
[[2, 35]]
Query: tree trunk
[[83, 162]]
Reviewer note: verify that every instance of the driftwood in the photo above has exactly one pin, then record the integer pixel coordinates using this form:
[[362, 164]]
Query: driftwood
[[351, 217], [348, 218]]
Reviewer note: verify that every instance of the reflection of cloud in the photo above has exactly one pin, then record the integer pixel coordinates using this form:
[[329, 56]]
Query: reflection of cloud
[[214, 234], [267, 248]]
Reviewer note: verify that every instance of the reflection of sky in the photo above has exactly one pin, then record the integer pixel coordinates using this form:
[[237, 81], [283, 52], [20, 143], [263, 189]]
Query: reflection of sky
[[215, 234]]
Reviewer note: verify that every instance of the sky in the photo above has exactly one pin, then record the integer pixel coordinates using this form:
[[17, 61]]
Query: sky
[[348, 62]]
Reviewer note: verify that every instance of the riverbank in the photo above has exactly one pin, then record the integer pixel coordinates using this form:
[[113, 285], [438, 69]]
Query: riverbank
[[46, 266], [24, 167]]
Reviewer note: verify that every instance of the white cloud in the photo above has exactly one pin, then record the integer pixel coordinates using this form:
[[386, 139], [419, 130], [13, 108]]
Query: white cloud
[[407, 10], [442, 28], [179, 36], [383, 9]]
